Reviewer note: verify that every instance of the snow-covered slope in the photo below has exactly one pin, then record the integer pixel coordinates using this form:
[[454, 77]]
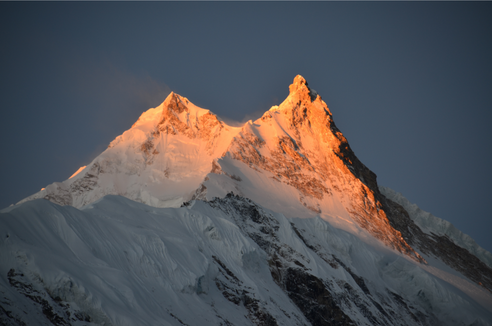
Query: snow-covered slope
[[160, 161], [431, 224], [223, 262], [294, 155], [294, 160], [311, 238]]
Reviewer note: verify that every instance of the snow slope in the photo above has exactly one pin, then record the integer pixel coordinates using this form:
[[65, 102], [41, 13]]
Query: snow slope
[[432, 224], [295, 161], [174, 152], [228, 261], [160, 161]]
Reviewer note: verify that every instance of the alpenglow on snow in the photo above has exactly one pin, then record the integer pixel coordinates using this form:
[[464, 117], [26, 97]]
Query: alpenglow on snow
[[186, 220]]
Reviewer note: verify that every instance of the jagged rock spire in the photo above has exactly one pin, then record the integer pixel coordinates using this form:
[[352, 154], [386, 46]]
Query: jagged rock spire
[[300, 87]]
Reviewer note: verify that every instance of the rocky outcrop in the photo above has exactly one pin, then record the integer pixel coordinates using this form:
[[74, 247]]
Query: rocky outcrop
[[37, 300], [314, 157], [227, 261], [322, 300], [439, 246]]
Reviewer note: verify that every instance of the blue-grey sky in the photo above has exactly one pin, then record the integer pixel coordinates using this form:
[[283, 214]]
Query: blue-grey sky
[[408, 83]]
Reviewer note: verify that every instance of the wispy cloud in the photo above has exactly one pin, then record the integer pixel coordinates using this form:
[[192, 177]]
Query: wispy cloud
[[119, 95], [109, 84], [110, 97]]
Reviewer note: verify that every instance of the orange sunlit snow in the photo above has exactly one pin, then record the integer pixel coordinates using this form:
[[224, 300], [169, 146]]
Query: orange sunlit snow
[[78, 171]]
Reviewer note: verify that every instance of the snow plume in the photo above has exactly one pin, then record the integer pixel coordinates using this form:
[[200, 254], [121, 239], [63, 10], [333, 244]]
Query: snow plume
[[120, 94]]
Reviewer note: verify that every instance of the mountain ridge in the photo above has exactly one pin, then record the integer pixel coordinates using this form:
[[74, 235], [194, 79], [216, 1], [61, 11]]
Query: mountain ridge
[[182, 147], [287, 185]]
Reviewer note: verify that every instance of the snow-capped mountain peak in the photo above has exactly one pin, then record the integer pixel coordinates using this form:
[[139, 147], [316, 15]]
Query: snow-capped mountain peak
[[275, 222], [296, 152], [160, 160], [303, 163], [299, 89]]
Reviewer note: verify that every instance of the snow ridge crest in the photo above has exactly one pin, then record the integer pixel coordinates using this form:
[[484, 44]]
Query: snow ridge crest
[[293, 160]]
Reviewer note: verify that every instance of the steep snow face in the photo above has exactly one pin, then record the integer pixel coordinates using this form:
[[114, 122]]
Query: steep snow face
[[296, 154], [224, 262], [160, 161]]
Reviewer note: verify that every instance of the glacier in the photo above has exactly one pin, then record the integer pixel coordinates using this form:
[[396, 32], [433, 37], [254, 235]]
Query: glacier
[[226, 261]]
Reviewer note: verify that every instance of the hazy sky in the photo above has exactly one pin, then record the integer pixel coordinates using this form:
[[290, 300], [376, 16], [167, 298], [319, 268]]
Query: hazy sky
[[408, 83]]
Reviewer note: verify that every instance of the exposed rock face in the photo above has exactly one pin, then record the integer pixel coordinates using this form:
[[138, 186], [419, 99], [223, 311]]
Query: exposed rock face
[[176, 119], [36, 299], [227, 261], [322, 300], [438, 246], [311, 155]]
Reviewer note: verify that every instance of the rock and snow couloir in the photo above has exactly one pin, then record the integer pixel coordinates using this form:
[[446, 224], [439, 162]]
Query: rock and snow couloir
[[316, 242]]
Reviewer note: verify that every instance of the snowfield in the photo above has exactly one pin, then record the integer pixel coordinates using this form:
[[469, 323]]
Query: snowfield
[[119, 262]]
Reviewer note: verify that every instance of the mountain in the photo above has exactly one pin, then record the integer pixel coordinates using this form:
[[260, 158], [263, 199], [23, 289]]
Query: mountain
[[160, 161], [185, 220]]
